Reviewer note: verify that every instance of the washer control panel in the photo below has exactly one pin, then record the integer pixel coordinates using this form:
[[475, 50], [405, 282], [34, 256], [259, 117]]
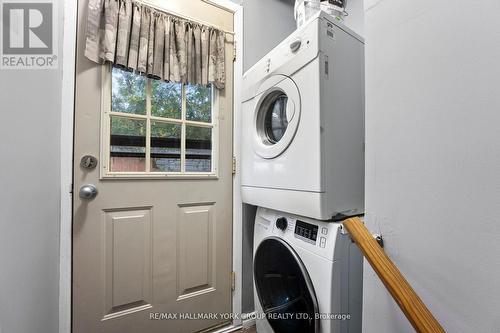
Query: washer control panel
[[306, 231], [282, 223], [318, 237]]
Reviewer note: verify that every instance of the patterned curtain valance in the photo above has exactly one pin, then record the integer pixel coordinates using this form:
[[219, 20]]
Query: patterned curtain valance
[[132, 35]]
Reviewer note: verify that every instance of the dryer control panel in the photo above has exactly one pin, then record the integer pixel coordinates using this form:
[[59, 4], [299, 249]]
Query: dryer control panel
[[306, 231]]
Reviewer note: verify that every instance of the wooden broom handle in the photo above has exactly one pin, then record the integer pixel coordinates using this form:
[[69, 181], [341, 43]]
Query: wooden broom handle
[[412, 306]]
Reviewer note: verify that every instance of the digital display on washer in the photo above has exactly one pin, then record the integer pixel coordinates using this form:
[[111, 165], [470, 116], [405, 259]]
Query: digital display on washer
[[306, 230]]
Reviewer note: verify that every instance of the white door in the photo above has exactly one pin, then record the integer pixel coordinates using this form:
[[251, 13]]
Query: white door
[[154, 242]]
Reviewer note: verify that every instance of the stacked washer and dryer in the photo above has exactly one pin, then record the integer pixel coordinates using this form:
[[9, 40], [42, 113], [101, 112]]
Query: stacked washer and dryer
[[303, 166]]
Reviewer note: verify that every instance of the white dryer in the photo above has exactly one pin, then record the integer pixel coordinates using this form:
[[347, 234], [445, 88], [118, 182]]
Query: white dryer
[[303, 125], [307, 276]]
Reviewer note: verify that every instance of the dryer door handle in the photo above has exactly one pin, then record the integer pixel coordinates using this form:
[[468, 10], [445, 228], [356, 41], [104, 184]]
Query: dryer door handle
[[295, 45]]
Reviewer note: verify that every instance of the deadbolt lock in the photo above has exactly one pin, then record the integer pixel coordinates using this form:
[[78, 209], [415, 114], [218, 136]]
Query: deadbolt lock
[[88, 162]]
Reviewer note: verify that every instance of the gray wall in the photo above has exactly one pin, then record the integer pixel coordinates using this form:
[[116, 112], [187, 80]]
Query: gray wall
[[29, 200], [356, 18], [433, 161], [266, 24], [247, 259]]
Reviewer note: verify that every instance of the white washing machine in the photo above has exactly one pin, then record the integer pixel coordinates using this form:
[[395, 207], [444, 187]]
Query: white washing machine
[[307, 276], [303, 125]]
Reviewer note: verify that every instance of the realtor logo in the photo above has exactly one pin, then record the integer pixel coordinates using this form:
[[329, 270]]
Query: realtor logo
[[28, 34]]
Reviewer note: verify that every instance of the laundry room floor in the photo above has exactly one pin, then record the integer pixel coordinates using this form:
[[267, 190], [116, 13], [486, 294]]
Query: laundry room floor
[[248, 330]]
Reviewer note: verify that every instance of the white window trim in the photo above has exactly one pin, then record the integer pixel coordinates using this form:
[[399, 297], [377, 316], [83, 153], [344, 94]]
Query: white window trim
[[106, 113]]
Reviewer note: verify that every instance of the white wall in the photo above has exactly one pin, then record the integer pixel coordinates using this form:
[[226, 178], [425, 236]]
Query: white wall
[[433, 158], [29, 198]]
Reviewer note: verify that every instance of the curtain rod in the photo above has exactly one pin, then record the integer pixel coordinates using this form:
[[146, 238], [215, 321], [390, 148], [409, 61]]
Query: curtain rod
[[185, 17]]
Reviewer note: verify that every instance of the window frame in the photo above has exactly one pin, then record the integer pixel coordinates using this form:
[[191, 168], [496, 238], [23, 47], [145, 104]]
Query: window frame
[[105, 139]]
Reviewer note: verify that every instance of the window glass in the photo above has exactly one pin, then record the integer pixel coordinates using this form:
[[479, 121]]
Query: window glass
[[199, 103], [165, 147], [128, 145], [198, 149], [166, 99], [128, 93]]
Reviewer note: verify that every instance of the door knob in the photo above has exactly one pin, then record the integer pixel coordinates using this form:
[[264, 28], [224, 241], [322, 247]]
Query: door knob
[[88, 192]]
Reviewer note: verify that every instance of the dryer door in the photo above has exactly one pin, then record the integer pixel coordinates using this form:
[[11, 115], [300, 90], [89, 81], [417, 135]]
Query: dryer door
[[284, 288], [276, 116]]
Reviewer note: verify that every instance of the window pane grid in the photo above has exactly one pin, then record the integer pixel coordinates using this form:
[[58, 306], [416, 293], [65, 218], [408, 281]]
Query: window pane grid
[[183, 132], [148, 128], [163, 120], [173, 143]]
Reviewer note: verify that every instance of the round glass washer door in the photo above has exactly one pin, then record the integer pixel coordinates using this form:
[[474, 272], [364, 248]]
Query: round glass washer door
[[277, 116], [284, 288]]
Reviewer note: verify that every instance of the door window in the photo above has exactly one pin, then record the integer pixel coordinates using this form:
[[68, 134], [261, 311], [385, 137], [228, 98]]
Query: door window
[[157, 128], [276, 116], [276, 121], [284, 288], [272, 118]]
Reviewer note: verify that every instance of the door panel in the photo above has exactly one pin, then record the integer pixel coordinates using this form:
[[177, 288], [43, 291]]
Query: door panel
[[147, 246], [127, 261], [196, 245]]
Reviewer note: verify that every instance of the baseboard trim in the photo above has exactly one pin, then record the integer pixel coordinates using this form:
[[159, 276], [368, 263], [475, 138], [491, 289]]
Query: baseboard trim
[[228, 329], [248, 320]]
